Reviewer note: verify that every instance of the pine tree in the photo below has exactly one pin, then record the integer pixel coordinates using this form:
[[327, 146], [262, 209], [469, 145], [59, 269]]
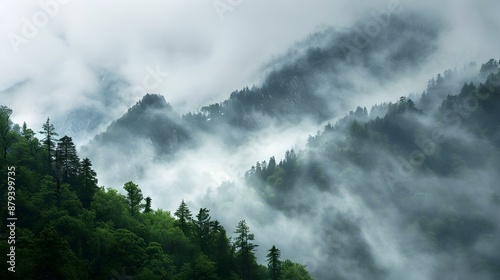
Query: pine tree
[[221, 251], [48, 142], [271, 166], [27, 133], [33, 146], [184, 216], [5, 127], [147, 207], [274, 263], [67, 161], [245, 250], [87, 182], [134, 197], [202, 226]]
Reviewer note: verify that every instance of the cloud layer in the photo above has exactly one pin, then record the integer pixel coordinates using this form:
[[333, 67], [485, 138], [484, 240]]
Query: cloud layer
[[64, 47]]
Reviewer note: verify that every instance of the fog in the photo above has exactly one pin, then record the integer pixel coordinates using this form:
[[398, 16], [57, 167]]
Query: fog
[[363, 213], [58, 68], [93, 60]]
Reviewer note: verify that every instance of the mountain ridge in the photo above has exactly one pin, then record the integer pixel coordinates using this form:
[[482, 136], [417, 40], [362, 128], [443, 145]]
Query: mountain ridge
[[316, 84]]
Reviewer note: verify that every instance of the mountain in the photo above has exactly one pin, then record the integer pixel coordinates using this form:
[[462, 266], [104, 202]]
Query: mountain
[[83, 122], [316, 79], [427, 180], [404, 190], [63, 226], [151, 118], [395, 193]]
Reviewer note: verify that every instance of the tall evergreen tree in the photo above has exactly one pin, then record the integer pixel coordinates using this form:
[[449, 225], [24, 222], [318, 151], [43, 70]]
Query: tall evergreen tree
[[87, 179], [48, 142], [27, 133], [184, 217], [147, 207], [67, 161], [274, 263], [134, 197], [5, 127], [221, 251], [33, 145], [202, 226], [271, 167], [245, 250]]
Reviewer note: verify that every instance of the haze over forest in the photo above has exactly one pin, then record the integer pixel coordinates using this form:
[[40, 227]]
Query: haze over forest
[[362, 140]]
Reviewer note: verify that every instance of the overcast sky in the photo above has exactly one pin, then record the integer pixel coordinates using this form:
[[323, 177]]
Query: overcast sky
[[51, 61], [194, 54]]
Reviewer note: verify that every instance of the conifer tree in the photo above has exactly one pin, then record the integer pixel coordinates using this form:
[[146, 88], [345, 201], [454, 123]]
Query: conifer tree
[[67, 161], [184, 217], [48, 142], [202, 226], [5, 128], [274, 263], [147, 207], [245, 249], [134, 197], [87, 182]]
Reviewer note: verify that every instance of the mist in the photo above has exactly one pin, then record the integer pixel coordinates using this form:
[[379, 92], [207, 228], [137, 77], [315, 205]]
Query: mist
[[92, 61], [71, 58]]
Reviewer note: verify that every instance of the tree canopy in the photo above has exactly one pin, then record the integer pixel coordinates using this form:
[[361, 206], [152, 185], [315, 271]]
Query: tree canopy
[[70, 228]]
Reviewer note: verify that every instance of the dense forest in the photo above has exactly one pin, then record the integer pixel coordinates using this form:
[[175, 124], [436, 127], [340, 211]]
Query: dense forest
[[262, 141], [438, 148], [312, 80], [433, 161], [69, 227], [427, 156]]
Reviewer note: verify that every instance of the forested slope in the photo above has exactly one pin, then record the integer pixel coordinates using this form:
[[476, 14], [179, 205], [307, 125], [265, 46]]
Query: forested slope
[[68, 227]]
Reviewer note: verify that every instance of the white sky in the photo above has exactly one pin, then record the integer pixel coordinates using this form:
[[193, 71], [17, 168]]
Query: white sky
[[206, 56], [57, 69]]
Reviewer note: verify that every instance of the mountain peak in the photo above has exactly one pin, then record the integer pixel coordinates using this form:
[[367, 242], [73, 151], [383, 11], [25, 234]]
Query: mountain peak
[[153, 101]]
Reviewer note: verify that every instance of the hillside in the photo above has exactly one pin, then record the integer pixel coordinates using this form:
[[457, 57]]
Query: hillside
[[64, 226], [316, 79], [429, 177]]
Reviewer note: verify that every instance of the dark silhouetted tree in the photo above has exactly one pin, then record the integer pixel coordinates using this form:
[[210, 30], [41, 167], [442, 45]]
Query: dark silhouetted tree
[[274, 263], [48, 142], [202, 227], [245, 250], [67, 161], [5, 128], [147, 207], [87, 180], [184, 217]]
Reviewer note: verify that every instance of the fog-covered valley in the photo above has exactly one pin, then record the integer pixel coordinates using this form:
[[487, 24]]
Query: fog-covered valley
[[365, 147]]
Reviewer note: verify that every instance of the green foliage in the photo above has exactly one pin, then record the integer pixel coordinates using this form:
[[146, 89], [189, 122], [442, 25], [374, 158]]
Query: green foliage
[[202, 229], [69, 228], [456, 134], [134, 198], [6, 137], [184, 218], [55, 259], [245, 248], [49, 143], [274, 263], [294, 271], [87, 182], [200, 268], [66, 159], [147, 206]]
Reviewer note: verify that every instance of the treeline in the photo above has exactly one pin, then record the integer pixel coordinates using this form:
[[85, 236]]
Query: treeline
[[70, 228], [428, 165], [397, 128]]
